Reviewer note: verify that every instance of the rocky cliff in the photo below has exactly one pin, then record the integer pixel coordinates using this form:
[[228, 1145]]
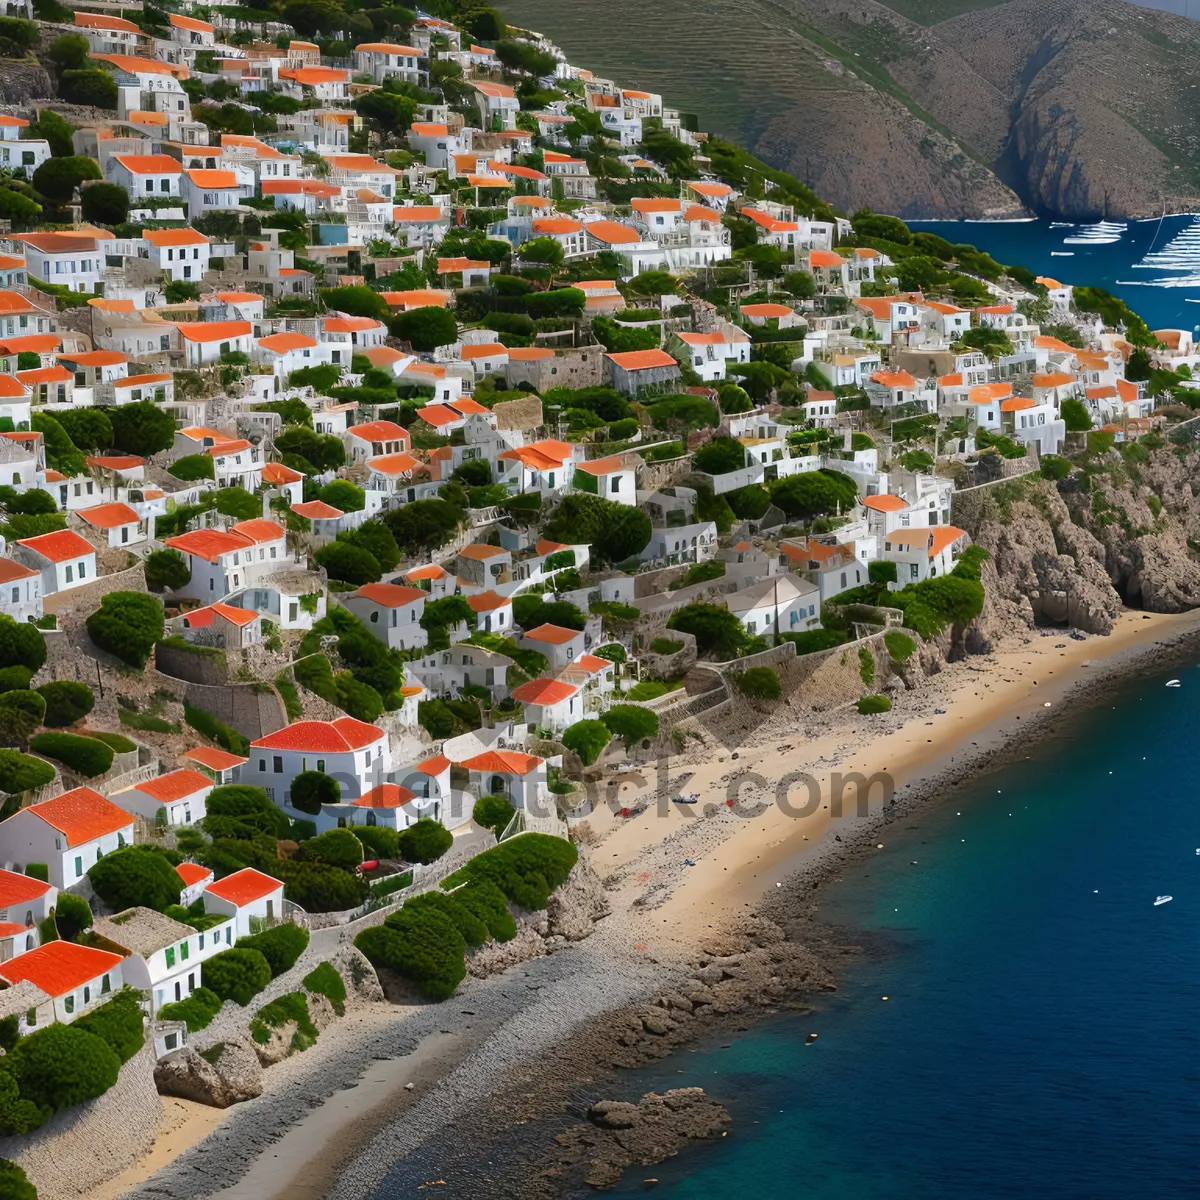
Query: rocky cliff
[[1078, 551]]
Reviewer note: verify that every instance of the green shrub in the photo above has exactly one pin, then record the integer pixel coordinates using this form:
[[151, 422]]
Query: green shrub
[[14, 679], [881, 572], [21, 712], [311, 789], [379, 841], [20, 645], [22, 772], [631, 722], [760, 683], [197, 1010], [14, 1184], [866, 666], [237, 974], [127, 624], [874, 704], [118, 1023], [66, 701], [84, 755], [63, 1065], [116, 742], [614, 652], [317, 887], [38, 871], [72, 915], [192, 467], [424, 945], [425, 841], [487, 902], [17, 1114], [493, 812], [292, 1006], [525, 868], [324, 980], [1055, 467], [136, 876], [247, 807], [665, 645], [335, 848], [899, 645], [281, 945]]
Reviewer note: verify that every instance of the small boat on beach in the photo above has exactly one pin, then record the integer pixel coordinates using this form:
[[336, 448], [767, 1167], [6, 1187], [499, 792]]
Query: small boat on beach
[[1163, 900]]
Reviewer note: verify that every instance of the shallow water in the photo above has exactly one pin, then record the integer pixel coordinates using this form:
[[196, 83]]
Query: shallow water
[[1039, 1035]]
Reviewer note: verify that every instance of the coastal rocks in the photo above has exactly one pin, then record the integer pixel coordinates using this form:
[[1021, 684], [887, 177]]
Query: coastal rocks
[[619, 1134], [362, 983], [575, 907], [220, 1075]]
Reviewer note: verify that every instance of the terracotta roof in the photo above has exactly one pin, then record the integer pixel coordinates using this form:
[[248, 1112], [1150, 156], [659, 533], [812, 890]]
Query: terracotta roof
[[768, 310], [894, 379], [715, 191], [213, 331], [109, 516], [202, 618], [641, 360], [351, 324], [212, 178], [214, 759], [98, 21], [10, 570], [19, 889], [989, 393], [95, 358], [59, 967], [82, 815], [314, 76], [63, 545], [418, 298], [54, 374], [281, 343], [278, 473], [1017, 404], [479, 552], [432, 766], [150, 164], [259, 530], [172, 786], [334, 737], [486, 350], [529, 353], [193, 873], [544, 691], [487, 602], [1054, 379], [208, 544], [116, 462], [825, 258], [37, 343], [391, 595], [553, 225], [602, 466], [317, 510], [131, 64], [429, 571], [612, 233], [385, 795], [394, 464], [554, 635], [884, 503], [936, 538], [379, 431], [244, 887], [438, 415], [504, 762], [189, 23], [544, 455], [419, 213]]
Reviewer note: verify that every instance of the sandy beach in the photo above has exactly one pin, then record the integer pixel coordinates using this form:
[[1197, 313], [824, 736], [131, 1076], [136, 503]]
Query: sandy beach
[[674, 874]]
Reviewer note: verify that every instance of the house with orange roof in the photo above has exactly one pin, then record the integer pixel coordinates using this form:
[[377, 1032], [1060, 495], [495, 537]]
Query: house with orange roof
[[944, 323], [376, 439], [382, 60], [522, 778], [560, 645], [614, 478], [709, 353], [191, 34], [551, 703], [20, 591], [116, 524], [547, 466], [155, 175], [204, 342], [497, 102], [291, 351], [76, 978], [247, 896], [922, 553], [20, 154], [315, 83], [890, 318], [1016, 325], [74, 260], [63, 558], [893, 389], [356, 754], [222, 766], [180, 793], [1058, 293], [348, 335], [421, 225], [820, 409], [391, 612], [783, 316], [223, 625], [225, 560], [24, 900], [107, 34], [1027, 420], [637, 253], [637, 372], [834, 567], [70, 833], [433, 138], [213, 190]]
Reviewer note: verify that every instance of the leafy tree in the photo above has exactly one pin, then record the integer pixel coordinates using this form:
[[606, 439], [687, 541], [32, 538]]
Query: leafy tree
[[344, 495], [615, 532], [720, 456], [425, 328], [716, 629], [376, 539], [317, 887], [21, 772], [813, 493], [323, 452], [127, 624], [247, 807], [493, 812], [118, 1023], [105, 203], [69, 52], [334, 848], [55, 129], [21, 712], [137, 876], [16, 206], [88, 428], [749, 503], [192, 467], [238, 503], [424, 945], [587, 739], [734, 399], [631, 722], [141, 428], [993, 342], [311, 789], [668, 151], [875, 225], [237, 974], [351, 564], [545, 250], [425, 842], [919, 273], [1055, 467], [57, 178], [14, 1184], [800, 284], [88, 86], [281, 945], [20, 644], [486, 25], [72, 915], [166, 569], [523, 56], [385, 110], [66, 702], [61, 453], [1076, 416], [356, 300], [424, 524]]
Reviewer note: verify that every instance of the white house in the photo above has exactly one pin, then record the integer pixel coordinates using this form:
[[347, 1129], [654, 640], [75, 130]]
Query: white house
[[561, 646], [520, 777], [195, 879], [375, 439], [146, 175], [246, 895], [357, 755], [391, 612], [70, 833], [781, 604], [205, 341], [75, 977], [550, 703], [212, 191], [121, 525], [24, 900], [180, 793], [921, 553], [64, 559], [613, 478], [381, 59], [20, 591], [222, 560]]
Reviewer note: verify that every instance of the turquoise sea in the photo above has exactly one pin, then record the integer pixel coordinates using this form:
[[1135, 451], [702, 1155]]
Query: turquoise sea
[[1040, 1036], [1153, 265]]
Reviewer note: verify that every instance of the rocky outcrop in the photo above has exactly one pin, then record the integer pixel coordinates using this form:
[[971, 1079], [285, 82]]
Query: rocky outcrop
[[620, 1134], [362, 983], [22, 80], [226, 1073]]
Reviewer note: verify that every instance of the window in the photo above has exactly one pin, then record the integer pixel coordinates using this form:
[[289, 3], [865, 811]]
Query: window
[[82, 572], [70, 575], [31, 1017], [277, 763], [321, 765], [69, 1004], [16, 594], [170, 953], [183, 950], [78, 866], [87, 994], [105, 986]]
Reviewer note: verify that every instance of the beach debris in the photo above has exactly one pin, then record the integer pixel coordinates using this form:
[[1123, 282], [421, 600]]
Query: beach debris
[[408, 1087], [879, 846], [1047, 704]]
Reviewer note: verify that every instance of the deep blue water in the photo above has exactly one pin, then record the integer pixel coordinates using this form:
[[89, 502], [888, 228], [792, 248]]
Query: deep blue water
[[1154, 266], [1040, 1037]]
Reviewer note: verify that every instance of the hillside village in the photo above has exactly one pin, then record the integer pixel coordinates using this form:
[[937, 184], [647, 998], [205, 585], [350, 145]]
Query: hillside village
[[400, 428]]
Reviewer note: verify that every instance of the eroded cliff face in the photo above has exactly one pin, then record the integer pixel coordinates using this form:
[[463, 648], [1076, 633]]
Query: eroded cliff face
[[1078, 552]]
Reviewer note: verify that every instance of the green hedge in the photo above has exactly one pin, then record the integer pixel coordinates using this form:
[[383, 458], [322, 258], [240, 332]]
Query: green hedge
[[281, 945], [55, 1068], [425, 946], [136, 876], [874, 704], [21, 772], [292, 1006], [118, 1023], [237, 974], [216, 731], [377, 841], [127, 624], [587, 738], [526, 868], [324, 980], [425, 842], [197, 1010], [66, 701], [85, 756], [493, 812]]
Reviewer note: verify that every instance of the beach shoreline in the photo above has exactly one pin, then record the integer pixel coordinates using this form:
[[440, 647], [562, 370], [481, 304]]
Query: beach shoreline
[[663, 917]]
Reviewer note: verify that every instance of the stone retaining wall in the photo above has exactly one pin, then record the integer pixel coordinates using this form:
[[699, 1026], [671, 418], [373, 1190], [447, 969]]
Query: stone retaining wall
[[73, 607], [209, 669], [254, 710]]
